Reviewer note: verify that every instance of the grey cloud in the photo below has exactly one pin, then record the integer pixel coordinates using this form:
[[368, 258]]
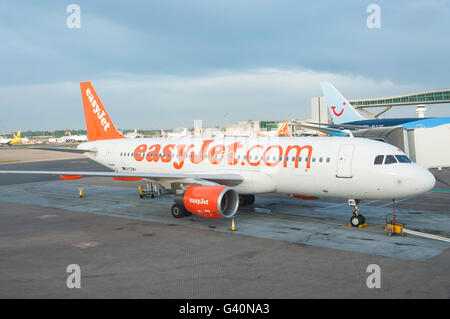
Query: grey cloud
[[154, 102]]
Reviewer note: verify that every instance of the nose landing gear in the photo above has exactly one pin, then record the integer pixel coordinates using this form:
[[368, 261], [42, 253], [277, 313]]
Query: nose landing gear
[[357, 219]]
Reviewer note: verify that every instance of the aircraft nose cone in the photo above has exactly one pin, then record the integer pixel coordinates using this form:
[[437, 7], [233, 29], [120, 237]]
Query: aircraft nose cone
[[427, 181], [420, 181]]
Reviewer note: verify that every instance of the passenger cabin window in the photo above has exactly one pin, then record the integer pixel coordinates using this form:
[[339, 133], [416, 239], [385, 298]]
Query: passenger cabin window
[[379, 160], [402, 159], [390, 159]]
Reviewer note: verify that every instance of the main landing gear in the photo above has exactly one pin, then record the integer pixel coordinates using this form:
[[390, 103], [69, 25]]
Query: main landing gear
[[246, 200], [357, 219], [179, 211]]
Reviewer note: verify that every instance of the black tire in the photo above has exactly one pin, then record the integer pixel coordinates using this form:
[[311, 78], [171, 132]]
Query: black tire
[[362, 219], [178, 211], [355, 221]]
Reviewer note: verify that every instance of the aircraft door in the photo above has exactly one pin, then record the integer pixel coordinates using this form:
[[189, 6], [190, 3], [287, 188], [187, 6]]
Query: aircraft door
[[110, 159], [344, 161]]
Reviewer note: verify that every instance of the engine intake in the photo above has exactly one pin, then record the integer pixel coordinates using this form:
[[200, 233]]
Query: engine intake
[[210, 201]]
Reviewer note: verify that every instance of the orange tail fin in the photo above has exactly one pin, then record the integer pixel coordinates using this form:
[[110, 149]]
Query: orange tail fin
[[283, 131], [98, 123]]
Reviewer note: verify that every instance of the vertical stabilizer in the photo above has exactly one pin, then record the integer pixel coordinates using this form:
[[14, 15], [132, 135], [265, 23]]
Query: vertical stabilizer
[[340, 109], [98, 123]]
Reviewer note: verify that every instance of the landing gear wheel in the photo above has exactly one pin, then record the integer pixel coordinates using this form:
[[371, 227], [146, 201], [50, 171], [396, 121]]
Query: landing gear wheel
[[362, 218], [178, 211], [355, 221]]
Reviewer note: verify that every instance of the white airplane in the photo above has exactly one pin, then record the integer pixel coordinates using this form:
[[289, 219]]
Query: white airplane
[[212, 176], [134, 134], [68, 138], [76, 138], [181, 133]]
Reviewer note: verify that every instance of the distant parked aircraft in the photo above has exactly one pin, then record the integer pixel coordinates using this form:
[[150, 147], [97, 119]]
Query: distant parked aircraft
[[11, 141]]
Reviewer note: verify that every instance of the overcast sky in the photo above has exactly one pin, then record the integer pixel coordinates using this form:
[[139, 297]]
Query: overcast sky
[[163, 64]]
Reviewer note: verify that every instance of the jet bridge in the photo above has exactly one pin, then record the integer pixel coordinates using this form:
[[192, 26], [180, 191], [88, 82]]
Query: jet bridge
[[394, 135], [425, 146]]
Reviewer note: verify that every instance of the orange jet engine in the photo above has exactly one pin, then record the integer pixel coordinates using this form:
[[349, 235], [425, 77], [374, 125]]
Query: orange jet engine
[[210, 201]]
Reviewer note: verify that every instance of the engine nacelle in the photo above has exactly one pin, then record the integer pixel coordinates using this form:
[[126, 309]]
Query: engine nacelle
[[210, 201]]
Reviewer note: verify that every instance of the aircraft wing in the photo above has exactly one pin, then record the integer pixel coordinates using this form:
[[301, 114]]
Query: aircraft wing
[[326, 130], [224, 179], [63, 149], [343, 126]]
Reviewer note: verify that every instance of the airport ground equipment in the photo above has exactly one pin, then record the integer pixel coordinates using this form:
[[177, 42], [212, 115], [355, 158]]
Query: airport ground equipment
[[150, 190], [233, 226], [392, 227]]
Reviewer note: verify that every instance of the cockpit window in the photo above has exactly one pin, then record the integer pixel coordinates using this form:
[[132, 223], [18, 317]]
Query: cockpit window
[[390, 159], [379, 160], [403, 159]]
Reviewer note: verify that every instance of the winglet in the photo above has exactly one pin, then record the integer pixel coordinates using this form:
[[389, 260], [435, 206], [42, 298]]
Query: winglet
[[340, 109], [98, 123]]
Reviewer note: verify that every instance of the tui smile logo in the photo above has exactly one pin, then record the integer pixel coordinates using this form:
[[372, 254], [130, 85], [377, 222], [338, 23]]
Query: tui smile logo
[[340, 113]]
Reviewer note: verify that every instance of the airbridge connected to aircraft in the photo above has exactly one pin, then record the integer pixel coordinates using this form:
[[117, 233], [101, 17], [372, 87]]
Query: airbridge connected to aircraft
[[427, 97]]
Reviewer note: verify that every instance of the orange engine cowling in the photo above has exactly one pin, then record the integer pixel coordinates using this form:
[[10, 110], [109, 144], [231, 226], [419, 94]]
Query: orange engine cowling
[[210, 201]]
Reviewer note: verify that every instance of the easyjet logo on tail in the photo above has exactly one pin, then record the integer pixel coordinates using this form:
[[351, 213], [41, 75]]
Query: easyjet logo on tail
[[98, 123], [96, 110]]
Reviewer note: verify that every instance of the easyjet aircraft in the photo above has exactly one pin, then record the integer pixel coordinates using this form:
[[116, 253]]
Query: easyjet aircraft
[[212, 176]]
